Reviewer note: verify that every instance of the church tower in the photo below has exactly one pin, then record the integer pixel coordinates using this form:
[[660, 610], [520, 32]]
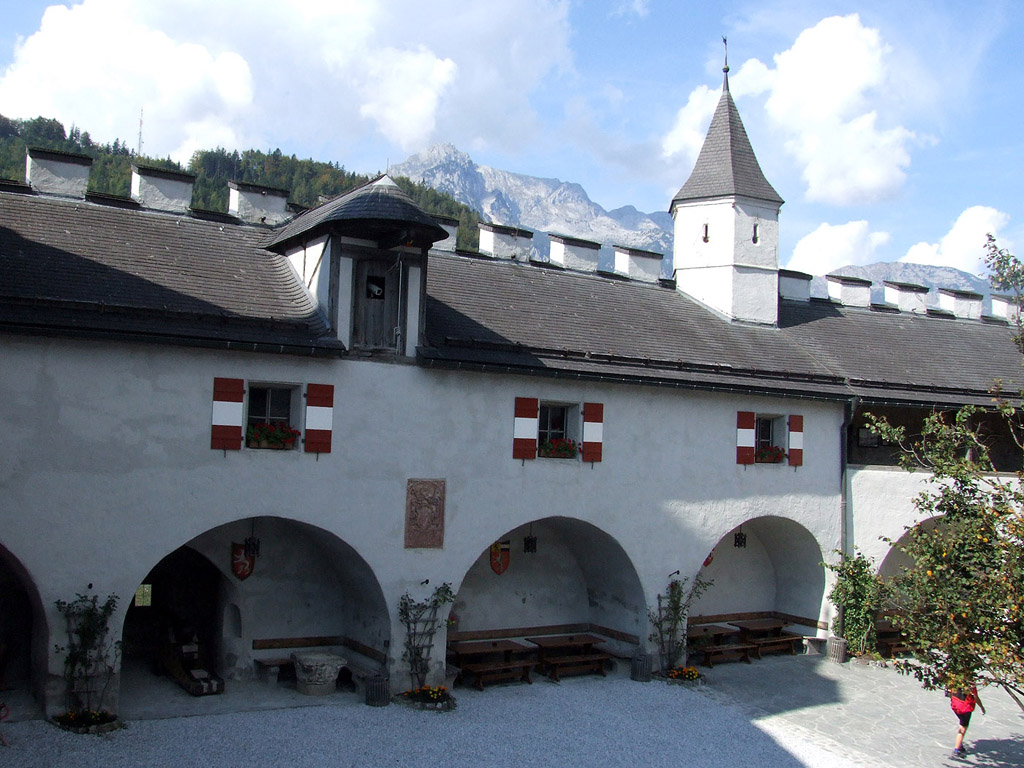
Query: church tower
[[726, 224]]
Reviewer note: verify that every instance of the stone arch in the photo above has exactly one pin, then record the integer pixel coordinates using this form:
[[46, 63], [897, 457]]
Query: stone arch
[[579, 574], [306, 583], [24, 636], [895, 560], [778, 570]]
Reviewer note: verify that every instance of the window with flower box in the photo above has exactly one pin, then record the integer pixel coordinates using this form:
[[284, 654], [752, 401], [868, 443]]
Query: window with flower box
[[269, 423], [269, 416], [553, 430], [769, 438]]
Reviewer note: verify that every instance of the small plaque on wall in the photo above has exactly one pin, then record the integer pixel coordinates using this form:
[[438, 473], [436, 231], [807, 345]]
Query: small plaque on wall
[[424, 514]]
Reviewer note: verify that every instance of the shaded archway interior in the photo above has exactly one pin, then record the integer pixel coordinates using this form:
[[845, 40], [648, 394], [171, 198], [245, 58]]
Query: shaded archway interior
[[578, 575], [778, 570], [23, 632], [305, 583], [896, 560]]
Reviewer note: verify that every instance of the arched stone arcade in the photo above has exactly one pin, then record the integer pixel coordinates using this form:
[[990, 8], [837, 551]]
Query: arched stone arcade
[[305, 583], [765, 565], [24, 637], [578, 575]]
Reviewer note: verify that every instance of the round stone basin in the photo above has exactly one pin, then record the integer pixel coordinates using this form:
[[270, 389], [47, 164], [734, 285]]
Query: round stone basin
[[316, 672]]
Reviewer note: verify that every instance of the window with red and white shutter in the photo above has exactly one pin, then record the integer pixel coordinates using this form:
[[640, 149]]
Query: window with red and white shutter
[[593, 431], [746, 422], [796, 440], [319, 417], [228, 414], [524, 432]]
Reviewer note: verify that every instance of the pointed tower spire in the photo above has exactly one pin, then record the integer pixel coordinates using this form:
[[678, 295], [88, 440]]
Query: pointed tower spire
[[726, 222]]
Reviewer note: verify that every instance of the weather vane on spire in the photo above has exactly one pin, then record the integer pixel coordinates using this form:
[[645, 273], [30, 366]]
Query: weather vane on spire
[[725, 42]]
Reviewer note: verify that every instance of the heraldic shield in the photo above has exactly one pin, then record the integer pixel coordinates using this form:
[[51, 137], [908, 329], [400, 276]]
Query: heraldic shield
[[500, 556], [242, 565]]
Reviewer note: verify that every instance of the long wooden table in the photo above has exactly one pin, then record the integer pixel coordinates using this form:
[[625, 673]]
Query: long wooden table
[[722, 642], [559, 654], [489, 660], [768, 635]]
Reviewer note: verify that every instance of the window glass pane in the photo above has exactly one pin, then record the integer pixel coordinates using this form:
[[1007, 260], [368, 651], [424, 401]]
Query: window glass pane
[[764, 433], [258, 404], [280, 404]]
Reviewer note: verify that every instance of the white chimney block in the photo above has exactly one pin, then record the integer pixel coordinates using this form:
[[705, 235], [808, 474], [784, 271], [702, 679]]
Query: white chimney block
[[573, 253], [161, 189], [257, 205], [57, 173], [963, 304], [794, 285], [1004, 307], [643, 266], [908, 297], [849, 291], [451, 226], [500, 242]]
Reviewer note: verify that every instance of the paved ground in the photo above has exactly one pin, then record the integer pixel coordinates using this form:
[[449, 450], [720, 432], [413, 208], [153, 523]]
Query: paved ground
[[790, 710]]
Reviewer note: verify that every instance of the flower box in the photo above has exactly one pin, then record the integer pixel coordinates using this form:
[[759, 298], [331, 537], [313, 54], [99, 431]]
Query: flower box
[[771, 454], [558, 448], [273, 436]]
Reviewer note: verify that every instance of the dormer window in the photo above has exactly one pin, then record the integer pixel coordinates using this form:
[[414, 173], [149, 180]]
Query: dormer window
[[375, 320]]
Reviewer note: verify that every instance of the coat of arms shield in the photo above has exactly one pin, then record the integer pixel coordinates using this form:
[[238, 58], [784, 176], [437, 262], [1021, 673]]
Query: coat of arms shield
[[500, 556], [242, 565]]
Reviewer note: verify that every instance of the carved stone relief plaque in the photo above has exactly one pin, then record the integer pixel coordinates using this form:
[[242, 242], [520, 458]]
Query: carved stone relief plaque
[[424, 514]]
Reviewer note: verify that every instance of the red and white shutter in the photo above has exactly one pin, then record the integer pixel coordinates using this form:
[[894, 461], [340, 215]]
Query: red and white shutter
[[524, 432], [593, 431], [745, 439], [319, 417], [228, 414], [796, 440]]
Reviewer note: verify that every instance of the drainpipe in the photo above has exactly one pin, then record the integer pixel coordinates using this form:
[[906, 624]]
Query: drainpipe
[[849, 409]]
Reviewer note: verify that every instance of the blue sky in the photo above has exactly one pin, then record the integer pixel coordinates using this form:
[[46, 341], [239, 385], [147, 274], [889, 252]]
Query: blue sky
[[891, 129]]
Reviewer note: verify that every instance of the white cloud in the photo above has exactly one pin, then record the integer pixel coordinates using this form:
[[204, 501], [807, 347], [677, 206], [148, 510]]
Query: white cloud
[[832, 246], [636, 7], [963, 247], [312, 73], [827, 96]]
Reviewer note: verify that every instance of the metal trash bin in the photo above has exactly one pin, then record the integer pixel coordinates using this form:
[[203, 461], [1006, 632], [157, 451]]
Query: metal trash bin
[[835, 648], [378, 691], [640, 667]]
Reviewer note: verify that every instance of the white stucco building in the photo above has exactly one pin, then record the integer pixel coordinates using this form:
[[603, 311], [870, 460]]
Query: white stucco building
[[139, 339]]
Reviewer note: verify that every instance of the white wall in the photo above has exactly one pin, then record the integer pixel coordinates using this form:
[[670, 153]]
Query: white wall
[[107, 468]]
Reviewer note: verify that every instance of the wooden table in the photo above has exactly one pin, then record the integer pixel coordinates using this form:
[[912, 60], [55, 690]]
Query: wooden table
[[721, 643], [768, 635], [490, 660], [569, 653]]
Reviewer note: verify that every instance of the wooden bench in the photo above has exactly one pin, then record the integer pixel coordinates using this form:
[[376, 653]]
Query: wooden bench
[[739, 650], [888, 639], [581, 662], [787, 641], [487, 671]]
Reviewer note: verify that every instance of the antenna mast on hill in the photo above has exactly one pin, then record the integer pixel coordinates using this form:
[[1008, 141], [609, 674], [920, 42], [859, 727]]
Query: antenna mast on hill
[[139, 151]]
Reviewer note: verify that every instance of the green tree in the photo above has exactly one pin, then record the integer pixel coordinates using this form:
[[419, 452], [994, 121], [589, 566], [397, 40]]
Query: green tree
[[961, 602]]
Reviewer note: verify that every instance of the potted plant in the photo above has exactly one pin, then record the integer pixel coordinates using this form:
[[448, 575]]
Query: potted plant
[[275, 435], [769, 454], [559, 448], [858, 594]]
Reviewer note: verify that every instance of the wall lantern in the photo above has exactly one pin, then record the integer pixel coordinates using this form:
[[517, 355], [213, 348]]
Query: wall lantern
[[739, 539], [530, 542], [251, 545]]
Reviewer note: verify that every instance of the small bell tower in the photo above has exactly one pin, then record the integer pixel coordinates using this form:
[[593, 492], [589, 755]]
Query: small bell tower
[[726, 223]]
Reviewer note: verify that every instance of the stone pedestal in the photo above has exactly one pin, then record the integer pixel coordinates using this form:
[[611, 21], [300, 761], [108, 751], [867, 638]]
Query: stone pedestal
[[316, 672]]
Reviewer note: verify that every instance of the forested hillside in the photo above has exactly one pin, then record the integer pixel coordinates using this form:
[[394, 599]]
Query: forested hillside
[[307, 180]]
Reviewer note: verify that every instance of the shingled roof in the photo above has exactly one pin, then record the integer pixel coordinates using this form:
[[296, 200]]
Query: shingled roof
[[378, 210], [726, 165], [83, 266], [503, 316]]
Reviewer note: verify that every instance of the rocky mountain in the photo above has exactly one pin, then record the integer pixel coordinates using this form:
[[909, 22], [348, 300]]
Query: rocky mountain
[[529, 202], [918, 274], [552, 205]]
